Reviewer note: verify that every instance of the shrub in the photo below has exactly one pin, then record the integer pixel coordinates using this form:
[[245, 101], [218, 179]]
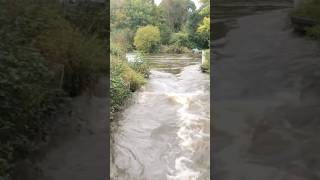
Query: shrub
[[165, 34], [121, 68], [204, 28], [180, 39], [147, 39], [124, 80], [133, 79], [88, 17], [313, 32], [141, 65], [121, 39], [29, 96], [118, 92], [36, 40], [82, 56]]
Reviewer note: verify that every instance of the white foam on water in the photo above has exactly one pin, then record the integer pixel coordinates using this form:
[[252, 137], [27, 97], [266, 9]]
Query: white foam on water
[[182, 171], [190, 134]]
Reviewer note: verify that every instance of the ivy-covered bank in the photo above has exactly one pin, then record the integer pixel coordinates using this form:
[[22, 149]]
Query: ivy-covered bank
[[48, 52]]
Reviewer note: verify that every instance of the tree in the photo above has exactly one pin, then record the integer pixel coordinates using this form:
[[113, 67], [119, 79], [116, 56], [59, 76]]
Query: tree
[[180, 39], [176, 12], [204, 26], [132, 14], [147, 39]]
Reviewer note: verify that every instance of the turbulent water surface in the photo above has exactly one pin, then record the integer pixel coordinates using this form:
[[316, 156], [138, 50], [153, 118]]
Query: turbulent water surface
[[165, 132], [266, 94]]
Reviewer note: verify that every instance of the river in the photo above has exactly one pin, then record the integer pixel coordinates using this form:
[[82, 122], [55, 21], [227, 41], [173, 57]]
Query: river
[[165, 131], [266, 94]]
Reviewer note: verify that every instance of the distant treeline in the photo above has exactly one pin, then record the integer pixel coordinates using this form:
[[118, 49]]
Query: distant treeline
[[179, 23]]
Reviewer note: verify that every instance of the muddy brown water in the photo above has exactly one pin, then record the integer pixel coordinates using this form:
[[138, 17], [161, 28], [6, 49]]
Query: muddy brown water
[[165, 132], [265, 96]]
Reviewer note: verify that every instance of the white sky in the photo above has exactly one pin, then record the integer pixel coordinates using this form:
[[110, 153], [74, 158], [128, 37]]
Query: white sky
[[196, 2]]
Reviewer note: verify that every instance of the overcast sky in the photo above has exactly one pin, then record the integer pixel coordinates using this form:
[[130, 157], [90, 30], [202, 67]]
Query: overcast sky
[[196, 2]]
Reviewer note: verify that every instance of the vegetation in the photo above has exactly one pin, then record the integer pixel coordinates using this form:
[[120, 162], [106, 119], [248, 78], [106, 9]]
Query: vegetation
[[45, 58], [147, 39], [204, 29], [310, 9], [176, 12], [313, 32], [142, 26], [125, 79], [172, 17]]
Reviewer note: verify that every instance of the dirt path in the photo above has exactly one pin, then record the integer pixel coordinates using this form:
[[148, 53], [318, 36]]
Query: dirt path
[[257, 69], [79, 149]]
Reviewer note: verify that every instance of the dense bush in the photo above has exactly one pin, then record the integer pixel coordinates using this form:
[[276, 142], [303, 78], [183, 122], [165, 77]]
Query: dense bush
[[121, 39], [140, 65], [124, 80], [42, 24], [313, 32], [38, 47], [81, 56], [88, 16], [118, 92], [165, 33], [204, 28], [29, 96], [180, 39], [147, 39]]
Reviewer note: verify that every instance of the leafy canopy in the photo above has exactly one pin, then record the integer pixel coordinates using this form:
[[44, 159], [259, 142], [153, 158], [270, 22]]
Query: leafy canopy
[[147, 39]]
